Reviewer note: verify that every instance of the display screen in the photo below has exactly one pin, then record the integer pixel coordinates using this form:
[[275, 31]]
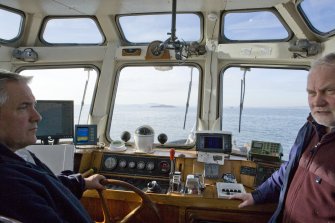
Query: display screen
[[85, 135], [216, 142], [57, 120], [213, 142], [257, 145], [82, 134]]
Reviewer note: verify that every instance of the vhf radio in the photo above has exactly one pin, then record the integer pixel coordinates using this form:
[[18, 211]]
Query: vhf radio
[[265, 151], [267, 156]]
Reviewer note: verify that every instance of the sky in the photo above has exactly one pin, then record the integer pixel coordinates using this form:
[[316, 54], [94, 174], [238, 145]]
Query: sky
[[145, 85], [145, 28]]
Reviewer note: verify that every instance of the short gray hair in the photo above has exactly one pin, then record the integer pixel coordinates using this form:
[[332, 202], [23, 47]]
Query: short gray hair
[[6, 76], [328, 60]]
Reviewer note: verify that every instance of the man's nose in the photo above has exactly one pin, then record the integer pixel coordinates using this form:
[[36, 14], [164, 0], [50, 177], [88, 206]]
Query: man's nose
[[319, 100], [36, 115]]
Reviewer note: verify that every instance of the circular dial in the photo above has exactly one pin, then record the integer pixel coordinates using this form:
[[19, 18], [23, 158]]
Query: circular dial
[[110, 163], [140, 165], [131, 164], [122, 163], [164, 166], [150, 166]]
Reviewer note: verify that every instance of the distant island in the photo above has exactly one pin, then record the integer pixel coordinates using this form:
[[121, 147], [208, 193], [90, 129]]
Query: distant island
[[162, 106]]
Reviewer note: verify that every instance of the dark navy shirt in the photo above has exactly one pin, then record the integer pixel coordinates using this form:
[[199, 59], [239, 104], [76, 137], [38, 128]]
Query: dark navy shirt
[[32, 193]]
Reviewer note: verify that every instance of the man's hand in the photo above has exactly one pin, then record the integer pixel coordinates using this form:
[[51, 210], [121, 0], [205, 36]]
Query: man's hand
[[246, 198], [93, 182]]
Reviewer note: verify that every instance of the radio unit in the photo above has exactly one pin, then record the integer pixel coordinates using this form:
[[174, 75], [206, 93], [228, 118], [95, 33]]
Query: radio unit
[[266, 151]]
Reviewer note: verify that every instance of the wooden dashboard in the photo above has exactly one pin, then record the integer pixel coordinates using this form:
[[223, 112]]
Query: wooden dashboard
[[173, 207]]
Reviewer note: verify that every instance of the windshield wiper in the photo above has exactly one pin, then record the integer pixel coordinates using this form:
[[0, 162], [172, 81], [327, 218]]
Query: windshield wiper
[[84, 93], [242, 97], [188, 97]]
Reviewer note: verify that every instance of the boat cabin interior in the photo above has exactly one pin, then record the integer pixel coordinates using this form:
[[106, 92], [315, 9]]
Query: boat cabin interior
[[179, 103]]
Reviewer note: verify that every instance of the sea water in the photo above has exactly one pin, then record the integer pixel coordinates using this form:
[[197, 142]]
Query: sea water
[[279, 125]]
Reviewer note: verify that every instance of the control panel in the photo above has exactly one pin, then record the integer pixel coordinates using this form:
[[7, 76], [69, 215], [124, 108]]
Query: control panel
[[224, 190], [264, 171], [135, 165], [132, 168]]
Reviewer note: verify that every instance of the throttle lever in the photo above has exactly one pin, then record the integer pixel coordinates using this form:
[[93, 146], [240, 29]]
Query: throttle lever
[[172, 153]]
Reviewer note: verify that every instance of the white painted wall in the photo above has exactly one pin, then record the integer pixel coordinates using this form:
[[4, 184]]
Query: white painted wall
[[56, 157]]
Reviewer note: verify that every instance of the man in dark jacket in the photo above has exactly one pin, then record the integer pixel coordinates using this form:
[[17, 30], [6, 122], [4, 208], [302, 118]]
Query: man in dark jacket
[[29, 191], [304, 187]]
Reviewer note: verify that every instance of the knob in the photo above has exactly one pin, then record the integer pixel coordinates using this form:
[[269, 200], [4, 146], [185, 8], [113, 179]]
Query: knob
[[125, 136], [153, 187], [162, 138]]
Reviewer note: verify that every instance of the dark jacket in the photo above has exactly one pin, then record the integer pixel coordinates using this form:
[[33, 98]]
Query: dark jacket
[[275, 188], [32, 193]]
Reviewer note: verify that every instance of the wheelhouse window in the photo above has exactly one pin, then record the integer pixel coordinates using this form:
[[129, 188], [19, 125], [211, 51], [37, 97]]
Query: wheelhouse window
[[11, 23], [253, 26], [49, 84], [156, 96], [72, 30], [147, 28], [274, 107], [319, 15]]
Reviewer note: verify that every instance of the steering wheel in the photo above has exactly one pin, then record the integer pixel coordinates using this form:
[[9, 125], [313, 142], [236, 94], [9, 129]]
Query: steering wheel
[[147, 211]]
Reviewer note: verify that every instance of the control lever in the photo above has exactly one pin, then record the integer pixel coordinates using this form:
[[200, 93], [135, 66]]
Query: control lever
[[88, 172], [172, 153]]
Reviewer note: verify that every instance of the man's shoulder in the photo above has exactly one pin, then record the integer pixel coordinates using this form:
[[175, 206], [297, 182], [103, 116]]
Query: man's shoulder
[[13, 170]]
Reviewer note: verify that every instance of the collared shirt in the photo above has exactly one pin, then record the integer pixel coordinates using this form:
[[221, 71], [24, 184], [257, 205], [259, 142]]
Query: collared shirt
[[25, 154]]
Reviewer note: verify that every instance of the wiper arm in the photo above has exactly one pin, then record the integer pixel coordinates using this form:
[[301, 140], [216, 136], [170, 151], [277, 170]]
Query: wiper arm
[[242, 97], [84, 93], [188, 97]]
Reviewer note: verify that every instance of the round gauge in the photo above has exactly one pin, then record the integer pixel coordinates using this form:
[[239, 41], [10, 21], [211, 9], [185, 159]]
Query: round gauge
[[110, 163], [150, 166], [131, 164], [164, 166], [122, 163], [140, 165]]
